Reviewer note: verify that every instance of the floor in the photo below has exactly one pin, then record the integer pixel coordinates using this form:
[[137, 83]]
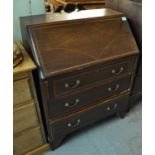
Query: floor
[[114, 136]]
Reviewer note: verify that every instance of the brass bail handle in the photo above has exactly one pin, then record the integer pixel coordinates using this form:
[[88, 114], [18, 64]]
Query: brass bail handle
[[114, 89], [74, 124], [67, 104], [77, 83], [117, 72]]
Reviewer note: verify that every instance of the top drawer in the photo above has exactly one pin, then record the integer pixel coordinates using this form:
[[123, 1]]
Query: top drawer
[[77, 81]]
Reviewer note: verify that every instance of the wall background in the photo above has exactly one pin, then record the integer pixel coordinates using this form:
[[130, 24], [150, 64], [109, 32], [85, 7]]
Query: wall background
[[22, 8]]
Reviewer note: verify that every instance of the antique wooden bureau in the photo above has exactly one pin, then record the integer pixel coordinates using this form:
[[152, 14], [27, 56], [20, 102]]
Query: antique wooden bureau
[[86, 65]]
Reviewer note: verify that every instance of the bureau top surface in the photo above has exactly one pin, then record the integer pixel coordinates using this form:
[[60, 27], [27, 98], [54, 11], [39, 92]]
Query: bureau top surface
[[61, 17], [65, 47]]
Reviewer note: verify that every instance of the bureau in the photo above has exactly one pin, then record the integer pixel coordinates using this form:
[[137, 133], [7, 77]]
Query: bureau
[[28, 132], [86, 64]]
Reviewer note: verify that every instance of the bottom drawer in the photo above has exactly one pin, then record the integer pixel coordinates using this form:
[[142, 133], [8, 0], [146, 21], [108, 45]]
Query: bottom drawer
[[85, 117], [27, 141]]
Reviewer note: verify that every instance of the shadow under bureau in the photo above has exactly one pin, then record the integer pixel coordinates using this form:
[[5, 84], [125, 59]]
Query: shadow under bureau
[[86, 65]]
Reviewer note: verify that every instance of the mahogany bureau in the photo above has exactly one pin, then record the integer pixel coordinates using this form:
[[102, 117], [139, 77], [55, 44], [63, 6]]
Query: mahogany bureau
[[86, 64]]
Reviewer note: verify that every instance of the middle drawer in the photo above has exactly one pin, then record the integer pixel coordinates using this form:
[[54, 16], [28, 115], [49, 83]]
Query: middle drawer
[[77, 81], [69, 104]]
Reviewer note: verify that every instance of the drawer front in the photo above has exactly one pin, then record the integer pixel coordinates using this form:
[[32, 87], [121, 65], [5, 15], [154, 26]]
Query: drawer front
[[27, 141], [24, 118], [73, 103], [72, 83], [91, 115], [21, 91]]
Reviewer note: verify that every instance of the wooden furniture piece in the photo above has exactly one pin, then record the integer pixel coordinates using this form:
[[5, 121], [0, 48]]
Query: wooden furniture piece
[[86, 65], [87, 4], [133, 10], [28, 130]]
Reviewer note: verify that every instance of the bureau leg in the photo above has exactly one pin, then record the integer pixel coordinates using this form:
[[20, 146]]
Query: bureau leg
[[128, 109], [56, 142], [121, 114]]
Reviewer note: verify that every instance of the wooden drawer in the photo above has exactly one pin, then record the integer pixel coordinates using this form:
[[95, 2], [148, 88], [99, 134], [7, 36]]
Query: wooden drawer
[[73, 103], [28, 140], [88, 116], [21, 91], [103, 72], [25, 117]]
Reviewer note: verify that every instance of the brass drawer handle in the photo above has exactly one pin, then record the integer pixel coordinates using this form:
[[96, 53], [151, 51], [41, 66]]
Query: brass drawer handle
[[114, 89], [111, 108], [72, 105], [117, 72], [77, 83], [74, 124]]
